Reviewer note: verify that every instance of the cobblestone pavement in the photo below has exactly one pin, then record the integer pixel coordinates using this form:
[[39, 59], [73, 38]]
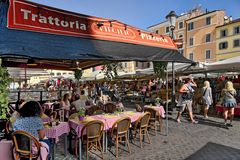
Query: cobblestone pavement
[[207, 140]]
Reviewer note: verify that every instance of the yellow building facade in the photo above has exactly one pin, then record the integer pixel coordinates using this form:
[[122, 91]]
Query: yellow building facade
[[228, 40], [197, 30]]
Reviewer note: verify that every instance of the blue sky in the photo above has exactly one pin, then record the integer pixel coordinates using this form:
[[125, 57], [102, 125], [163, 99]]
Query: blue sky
[[141, 13]]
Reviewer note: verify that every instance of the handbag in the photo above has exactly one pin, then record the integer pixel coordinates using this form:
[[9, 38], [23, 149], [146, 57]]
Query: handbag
[[202, 100], [187, 95]]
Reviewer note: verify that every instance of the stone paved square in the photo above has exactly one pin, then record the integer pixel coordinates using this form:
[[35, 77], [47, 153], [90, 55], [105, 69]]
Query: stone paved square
[[207, 140]]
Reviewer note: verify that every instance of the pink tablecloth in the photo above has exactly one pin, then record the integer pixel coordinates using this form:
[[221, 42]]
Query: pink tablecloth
[[46, 120], [47, 105], [219, 109], [108, 120], [57, 131], [6, 150], [159, 109]]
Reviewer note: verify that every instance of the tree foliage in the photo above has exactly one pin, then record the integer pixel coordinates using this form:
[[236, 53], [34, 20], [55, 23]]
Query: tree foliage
[[110, 70], [159, 69], [4, 83], [78, 74]]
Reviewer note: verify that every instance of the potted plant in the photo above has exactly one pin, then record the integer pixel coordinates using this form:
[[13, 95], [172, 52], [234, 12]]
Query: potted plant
[[77, 75], [81, 113], [4, 83], [158, 101]]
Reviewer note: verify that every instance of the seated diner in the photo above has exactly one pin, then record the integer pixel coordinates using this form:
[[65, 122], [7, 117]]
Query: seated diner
[[30, 121]]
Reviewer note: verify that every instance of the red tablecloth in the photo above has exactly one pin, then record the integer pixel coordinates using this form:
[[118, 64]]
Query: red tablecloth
[[219, 109], [6, 150]]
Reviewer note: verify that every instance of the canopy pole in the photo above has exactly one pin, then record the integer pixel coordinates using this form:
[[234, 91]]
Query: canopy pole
[[25, 71], [167, 102], [173, 85]]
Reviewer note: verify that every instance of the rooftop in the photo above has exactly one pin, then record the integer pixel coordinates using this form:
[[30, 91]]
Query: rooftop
[[231, 22], [204, 14]]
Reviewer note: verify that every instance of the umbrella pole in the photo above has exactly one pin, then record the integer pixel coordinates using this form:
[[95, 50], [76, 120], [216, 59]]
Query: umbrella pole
[[167, 102], [173, 85]]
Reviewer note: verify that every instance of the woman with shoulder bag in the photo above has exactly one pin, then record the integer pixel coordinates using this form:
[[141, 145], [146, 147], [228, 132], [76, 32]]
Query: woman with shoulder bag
[[229, 102], [206, 97], [186, 98]]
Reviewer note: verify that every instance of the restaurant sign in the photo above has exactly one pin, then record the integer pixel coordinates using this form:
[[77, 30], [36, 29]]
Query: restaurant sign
[[29, 16]]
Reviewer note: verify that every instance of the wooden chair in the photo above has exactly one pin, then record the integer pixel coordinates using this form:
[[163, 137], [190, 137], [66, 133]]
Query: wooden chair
[[119, 132], [54, 114], [141, 127], [110, 108], [8, 127], [48, 112], [72, 111], [98, 112], [24, 143], [90, 111], [91, 134], [101, 105], [73, 116], [138, 108], [56, 106], [153, 118], [61, 114]]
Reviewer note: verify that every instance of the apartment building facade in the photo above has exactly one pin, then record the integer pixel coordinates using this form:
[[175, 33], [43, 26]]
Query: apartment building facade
[[197, 31], [228, 40], [180, 28], [201, 36]]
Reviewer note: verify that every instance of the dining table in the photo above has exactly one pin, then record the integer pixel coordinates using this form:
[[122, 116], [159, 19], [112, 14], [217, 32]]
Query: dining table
[[48, 105], [51, 132], [108, 121], [6, 149], [160, 110], [54, 132], [45, 118]]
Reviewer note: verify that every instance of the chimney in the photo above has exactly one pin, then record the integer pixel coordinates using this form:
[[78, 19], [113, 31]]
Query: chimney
[[226, 19]]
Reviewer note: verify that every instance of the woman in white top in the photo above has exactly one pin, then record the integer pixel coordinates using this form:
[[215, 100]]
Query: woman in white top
[[65, 104], [207, 97]]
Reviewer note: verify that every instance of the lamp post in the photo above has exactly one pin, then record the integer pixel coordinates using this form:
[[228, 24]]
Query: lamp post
[[172, 17]]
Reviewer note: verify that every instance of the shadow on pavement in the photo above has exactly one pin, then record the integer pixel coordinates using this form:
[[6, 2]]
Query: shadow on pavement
[[209, 122], [213, 151]]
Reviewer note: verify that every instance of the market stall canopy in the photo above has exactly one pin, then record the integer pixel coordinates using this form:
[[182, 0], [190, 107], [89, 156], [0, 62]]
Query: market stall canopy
[[180, 68], [52, 37], [231, 64], [21, 73]]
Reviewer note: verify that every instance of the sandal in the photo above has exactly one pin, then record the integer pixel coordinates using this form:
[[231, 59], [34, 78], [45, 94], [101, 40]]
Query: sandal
[[178, 120], [195, 122]]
